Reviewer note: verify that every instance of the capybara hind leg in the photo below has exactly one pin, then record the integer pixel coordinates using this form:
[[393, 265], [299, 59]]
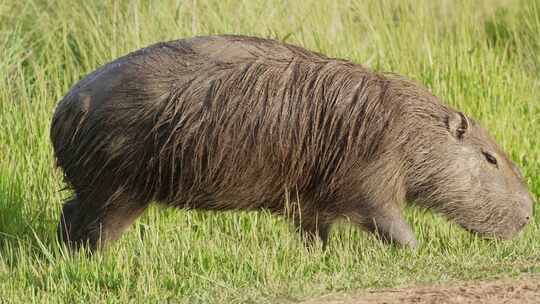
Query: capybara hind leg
[[95, 223], [69, 221], [116, 220], [390, 226]]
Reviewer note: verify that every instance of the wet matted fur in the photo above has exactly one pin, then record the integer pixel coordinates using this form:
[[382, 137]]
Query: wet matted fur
[[233, 122]]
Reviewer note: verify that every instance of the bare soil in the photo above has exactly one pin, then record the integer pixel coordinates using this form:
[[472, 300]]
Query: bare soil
[[524, 290]]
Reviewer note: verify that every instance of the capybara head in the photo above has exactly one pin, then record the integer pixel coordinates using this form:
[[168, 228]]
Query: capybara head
[[461, 172]]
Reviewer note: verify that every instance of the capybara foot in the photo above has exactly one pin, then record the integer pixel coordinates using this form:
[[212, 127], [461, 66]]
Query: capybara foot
[[81, 224], [69, 219]]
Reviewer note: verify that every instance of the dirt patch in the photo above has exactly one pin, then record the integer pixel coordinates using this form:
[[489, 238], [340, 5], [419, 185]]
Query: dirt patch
[[524, 290]]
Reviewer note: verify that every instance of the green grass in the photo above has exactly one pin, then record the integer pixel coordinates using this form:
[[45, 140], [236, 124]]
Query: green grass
[[479, 56]]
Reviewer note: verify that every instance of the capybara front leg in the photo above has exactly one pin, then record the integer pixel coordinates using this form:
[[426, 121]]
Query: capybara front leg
[[390, 226], [312, 229], [86, 222]]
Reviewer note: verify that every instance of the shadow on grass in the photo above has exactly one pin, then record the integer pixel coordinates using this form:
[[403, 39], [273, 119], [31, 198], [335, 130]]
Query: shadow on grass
[[25, 226]]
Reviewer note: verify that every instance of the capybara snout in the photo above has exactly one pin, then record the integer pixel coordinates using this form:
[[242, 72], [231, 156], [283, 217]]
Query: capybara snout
[[234, 122]]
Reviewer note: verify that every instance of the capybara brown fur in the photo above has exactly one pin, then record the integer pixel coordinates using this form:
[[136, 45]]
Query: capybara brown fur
[[233, 122]]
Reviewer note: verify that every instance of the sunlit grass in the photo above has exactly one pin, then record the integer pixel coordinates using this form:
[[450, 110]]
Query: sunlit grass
[[479, 56]]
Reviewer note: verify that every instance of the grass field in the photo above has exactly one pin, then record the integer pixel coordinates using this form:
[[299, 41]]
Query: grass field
[[482, 57]]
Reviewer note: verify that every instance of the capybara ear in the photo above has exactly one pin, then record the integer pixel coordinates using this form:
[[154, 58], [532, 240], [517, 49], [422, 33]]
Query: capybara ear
[[457, 124]]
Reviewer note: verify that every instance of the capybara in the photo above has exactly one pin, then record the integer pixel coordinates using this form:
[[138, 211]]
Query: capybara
[[234, 122]]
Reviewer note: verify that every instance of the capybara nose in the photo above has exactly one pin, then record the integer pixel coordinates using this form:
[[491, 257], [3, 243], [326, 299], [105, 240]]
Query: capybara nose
[[524, 221], [525, 216]]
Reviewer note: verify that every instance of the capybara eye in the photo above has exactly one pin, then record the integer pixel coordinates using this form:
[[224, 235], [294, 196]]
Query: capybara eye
[[490, 158]]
